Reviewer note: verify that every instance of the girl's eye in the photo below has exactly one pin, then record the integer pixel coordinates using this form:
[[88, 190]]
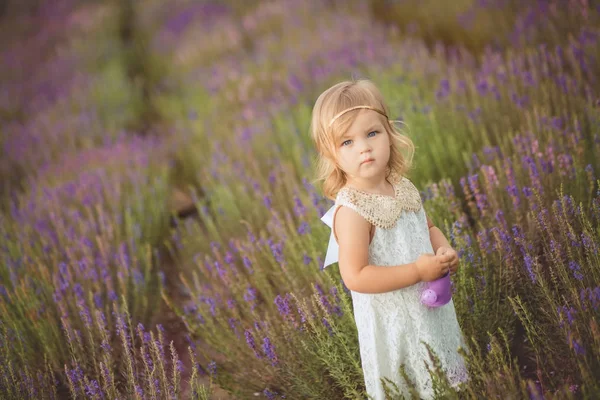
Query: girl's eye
[[372, 133], [346, 142]]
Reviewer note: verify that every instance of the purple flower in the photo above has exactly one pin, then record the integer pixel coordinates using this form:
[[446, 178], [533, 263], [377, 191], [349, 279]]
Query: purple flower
[[483, 240], [577, 346], [105, 346], [574, 266], [232, 324], [251, 343], [247, 264], [231, 303], [481, 200], [250, 297], [304, 228], [570, 312], [75, 375], [443, 89], [269, 351], [212, 368], [529, 265], [593, 296], [98, 300], [270, 395], [299, 208], [482, 87], [267, 201], [328, 326], [277, 250], [212, 303], [557, 123], [306, 259], [220, 269], [84, 312], [283, 305], [78, 292], [588, 243], [93, 389], [324, 300], [556, 248], [520, 101]]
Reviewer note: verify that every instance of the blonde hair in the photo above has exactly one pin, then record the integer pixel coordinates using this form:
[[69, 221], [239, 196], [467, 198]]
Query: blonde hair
[[330, 104]]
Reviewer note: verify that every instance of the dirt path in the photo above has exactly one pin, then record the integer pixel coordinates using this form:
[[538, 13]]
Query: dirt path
[[175, 328]]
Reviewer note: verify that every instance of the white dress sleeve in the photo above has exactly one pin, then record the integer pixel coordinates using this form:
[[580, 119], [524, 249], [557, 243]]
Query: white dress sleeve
[[332, 255], [333, 249]]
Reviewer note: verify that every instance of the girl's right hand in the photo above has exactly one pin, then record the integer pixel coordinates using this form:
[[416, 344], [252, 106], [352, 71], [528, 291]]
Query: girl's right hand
[[431, 267]]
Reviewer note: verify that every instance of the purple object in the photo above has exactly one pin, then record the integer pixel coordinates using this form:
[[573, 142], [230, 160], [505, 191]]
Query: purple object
[[438, 292]]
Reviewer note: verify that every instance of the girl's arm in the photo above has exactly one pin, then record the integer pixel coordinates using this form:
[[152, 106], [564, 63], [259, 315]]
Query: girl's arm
[[436, 236], [352, 234]]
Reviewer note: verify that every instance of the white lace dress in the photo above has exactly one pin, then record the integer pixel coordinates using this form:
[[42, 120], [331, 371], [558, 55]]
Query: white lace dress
[[391, 325]]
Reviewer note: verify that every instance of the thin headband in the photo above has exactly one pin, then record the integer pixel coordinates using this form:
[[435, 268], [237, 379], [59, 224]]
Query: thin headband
[[355, 108]]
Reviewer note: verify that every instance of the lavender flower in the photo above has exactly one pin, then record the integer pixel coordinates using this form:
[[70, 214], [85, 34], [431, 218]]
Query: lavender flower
[[328, 326], [247, 264], [306, 259], [251, 343], [233, 325], [574, 266], [529, 262], [592, 296], [267, 201], [270, 395], [269, 351], [277, 250], [299, 208], [212, 368], [93, 389], [304, 228], [283, 305], [250, 297]]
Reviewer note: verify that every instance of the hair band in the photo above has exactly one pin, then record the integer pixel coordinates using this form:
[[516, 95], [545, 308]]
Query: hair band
[[355, 108]]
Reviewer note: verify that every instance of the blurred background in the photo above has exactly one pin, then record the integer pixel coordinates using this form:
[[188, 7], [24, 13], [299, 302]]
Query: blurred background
[[159, 220]]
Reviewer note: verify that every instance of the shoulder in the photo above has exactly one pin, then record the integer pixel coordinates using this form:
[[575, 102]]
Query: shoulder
[[349, 207], [350, 228], [346, 217]]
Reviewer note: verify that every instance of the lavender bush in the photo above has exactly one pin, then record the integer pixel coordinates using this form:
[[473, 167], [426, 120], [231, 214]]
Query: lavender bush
[[80, 267]]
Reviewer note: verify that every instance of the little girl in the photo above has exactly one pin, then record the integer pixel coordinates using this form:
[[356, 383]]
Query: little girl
[[386, 246]]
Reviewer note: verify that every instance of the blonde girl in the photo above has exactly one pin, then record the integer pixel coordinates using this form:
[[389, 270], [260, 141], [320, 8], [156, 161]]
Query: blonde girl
[[386, 247]]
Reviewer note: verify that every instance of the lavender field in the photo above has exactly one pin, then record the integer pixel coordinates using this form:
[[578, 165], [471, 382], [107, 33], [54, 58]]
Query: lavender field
[[160, 233]]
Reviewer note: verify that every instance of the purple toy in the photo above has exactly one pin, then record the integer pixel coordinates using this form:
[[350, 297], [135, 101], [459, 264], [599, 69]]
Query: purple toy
[[438, 292]]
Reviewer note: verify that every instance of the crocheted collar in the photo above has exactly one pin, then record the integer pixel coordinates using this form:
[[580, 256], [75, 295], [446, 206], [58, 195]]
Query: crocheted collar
[[382, 210]]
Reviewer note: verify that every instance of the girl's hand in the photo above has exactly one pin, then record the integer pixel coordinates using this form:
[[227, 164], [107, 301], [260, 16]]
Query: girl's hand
[[431, 267], [453, 257]]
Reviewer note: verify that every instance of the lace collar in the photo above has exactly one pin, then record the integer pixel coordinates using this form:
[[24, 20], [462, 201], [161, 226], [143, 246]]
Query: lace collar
[[382, 210]]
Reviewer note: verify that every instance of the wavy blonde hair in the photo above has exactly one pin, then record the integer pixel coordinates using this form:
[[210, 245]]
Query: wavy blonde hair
[[333, 101]]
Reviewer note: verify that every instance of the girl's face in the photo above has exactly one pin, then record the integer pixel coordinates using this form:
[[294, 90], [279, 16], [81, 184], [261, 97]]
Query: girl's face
[[363, 151]]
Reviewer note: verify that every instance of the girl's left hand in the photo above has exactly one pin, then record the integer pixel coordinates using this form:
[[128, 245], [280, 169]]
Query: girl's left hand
[[453, 266]]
